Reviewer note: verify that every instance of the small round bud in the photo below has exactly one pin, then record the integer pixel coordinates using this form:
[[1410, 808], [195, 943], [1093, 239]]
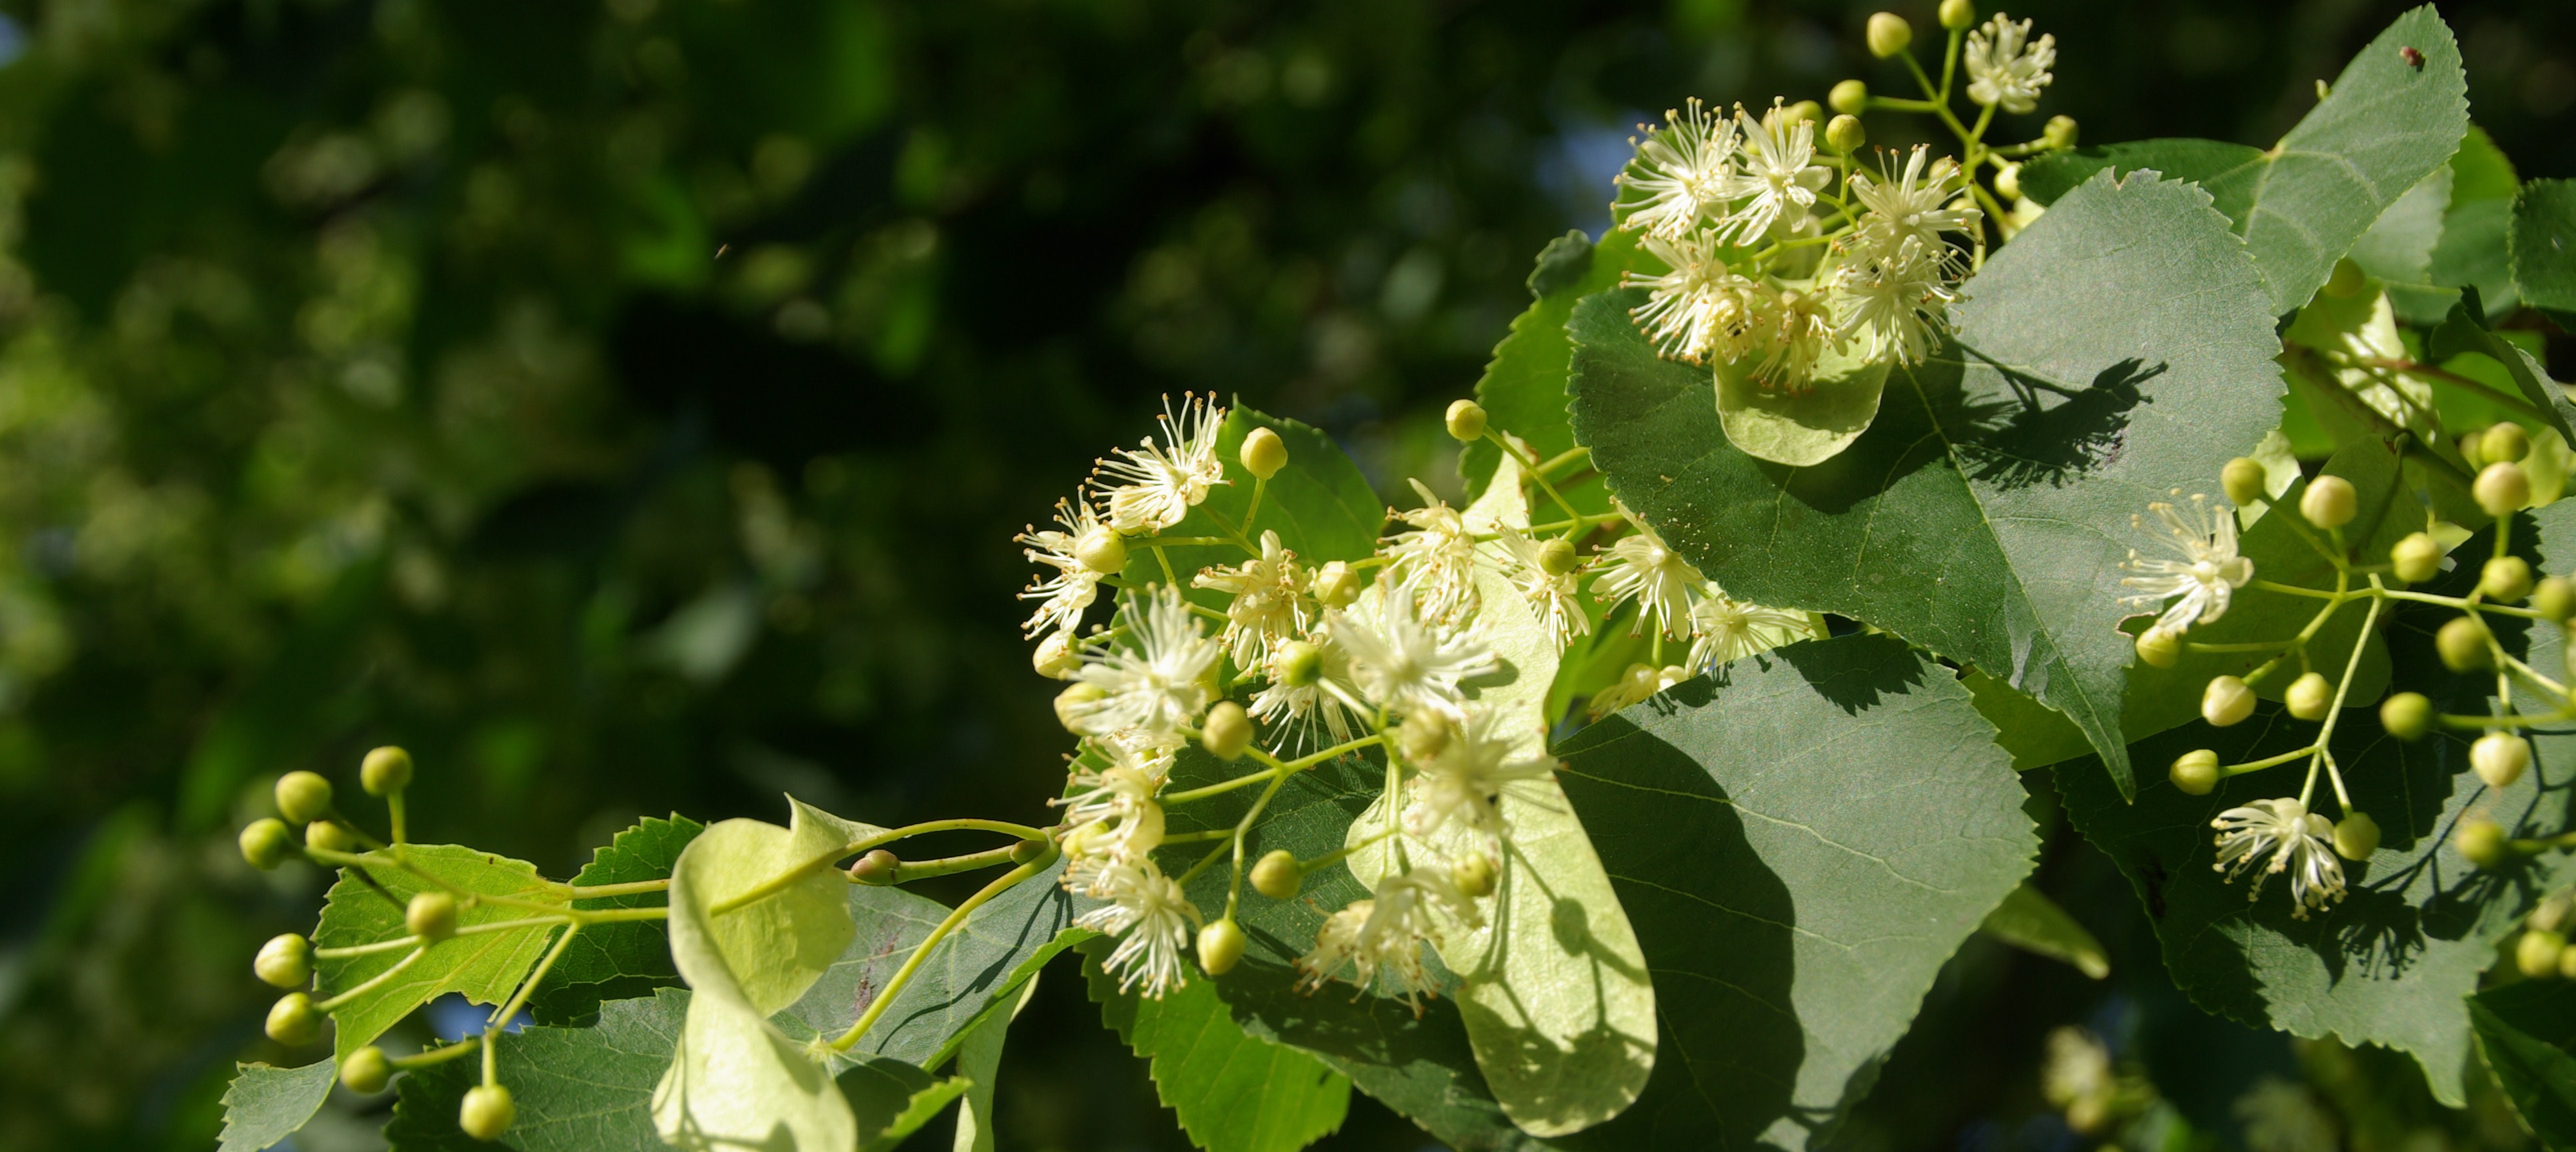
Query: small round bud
[[1466, 420], [2537, 953], [2502, 488], [2060, 132], [2416, 558], [2244, 481], [2309, 697], [1027, 851], [1264, 453], [2473, 449], [2551, 915], [1297, 664], [1276, 875], [1958, 15], [1844, 134], [2195, 772], [1336, 585], [2500, 758], [431, 916], [1226, 732], [487, 1112], [2505, 443], [1557, 557], [1069, 704], [329, 836], [293, 1020], [285, 961], [2462, 643], [879, 867], [2406, 715], [1422, 736], [1807, 111], [1474, 875], [2226, 701], [2008, 181], [2554, 598], [2505, 579], [266, 842], [2159, 648], [1220, 947], [2328, 502], [2482, 842], [1849, 97], [2356, 836], [303, 797], [1888, 34], [1055, 657], [1102, 550], [2347, 279], [366, 1071], [385, 771]]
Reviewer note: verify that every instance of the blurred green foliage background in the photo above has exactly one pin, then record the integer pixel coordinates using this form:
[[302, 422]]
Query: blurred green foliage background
[[627, 405]]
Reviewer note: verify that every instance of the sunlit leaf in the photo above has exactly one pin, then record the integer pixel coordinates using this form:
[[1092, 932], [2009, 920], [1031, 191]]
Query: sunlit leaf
[[487, 967], [1232, 1091]]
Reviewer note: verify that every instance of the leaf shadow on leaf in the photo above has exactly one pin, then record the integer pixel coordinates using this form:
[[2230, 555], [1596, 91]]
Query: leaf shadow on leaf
[[1852, 687], [2036, 443]]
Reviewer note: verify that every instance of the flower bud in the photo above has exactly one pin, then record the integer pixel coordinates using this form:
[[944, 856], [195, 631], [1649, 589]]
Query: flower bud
[[303, 797], [2356, 836], [2500, 758], [1102, 550], [2554, 598], [2473, 449], [366, 1071], [293, 1020], [385, 771], [2551, 915], [2328, 502], [329, 836], [431, 916], [2244, 481], [1220, 947], [1888, 34], [2309, 697], [2347, 279], [1276, 875], [1297, 664], [1466, 420], [487, 1112], [879, 867], [1336, 585], [2195, 772], [1068, 704], [266, 842], [1556, 558], [2462, 643], [2226, 701], [2159, 647], [1804, 110], [1264, 453], [2482, 842], [1056, 658], [2416, 558], [1849, 97], [1474, 875], [2505, 443], [1029, 850], [2505, 579], [1226, 732], [2502, 488], [2406, 715], [285, 961], [2537, 953], [1422, 736], [2008, 181], [1958, 15], [2060, 132]]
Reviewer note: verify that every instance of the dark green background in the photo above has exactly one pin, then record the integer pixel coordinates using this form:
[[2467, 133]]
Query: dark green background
[[627, 406]]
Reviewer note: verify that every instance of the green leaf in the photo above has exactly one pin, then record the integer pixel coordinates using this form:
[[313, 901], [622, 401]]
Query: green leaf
[[894, 1099], [266, 1105], [1233, 1092], [486, 966], [1806, 427], [2527, 1036], [1801, 846], [2118, 347], [2446, 232], [2392, 962], [1523, 388], [2543, 245], [576, 1089], [2030, 921], [979, 1063], [623, 960], [2466, 332], [2301, 204]]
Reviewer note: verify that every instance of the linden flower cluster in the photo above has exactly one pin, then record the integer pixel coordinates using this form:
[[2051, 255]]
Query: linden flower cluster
[[1292, 662]]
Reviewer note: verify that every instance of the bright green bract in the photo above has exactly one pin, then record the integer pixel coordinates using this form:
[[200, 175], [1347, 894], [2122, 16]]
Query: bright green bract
[[1806, 425]]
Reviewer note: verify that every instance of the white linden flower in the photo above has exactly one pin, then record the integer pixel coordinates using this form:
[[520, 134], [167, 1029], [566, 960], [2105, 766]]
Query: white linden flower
[[1685, 170], [1462, 782], [1641, 567], [1776, 173], [1386, 934], [1401, 662], [2206, 572], [1270, 602], [1730, 630], [1639, 682], [1152, 917], [1914, 203], [1700, 309], [2006, 67], [1895, 300], [1064, 595], [1301, 716], [1152, 486], [1156, 681], [1112, 815], [1793, 329], [1550, 595], [2292, 839], [1437, 557]]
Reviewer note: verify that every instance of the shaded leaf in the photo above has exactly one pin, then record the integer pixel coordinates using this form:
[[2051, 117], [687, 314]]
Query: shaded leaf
[[1523, 390], [2543, 246], [2527, 1037], [576, 1089], [893, 1099], [2030, 921], [1232, 1091], [266, 1104], [619, 960], [486, 966]]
